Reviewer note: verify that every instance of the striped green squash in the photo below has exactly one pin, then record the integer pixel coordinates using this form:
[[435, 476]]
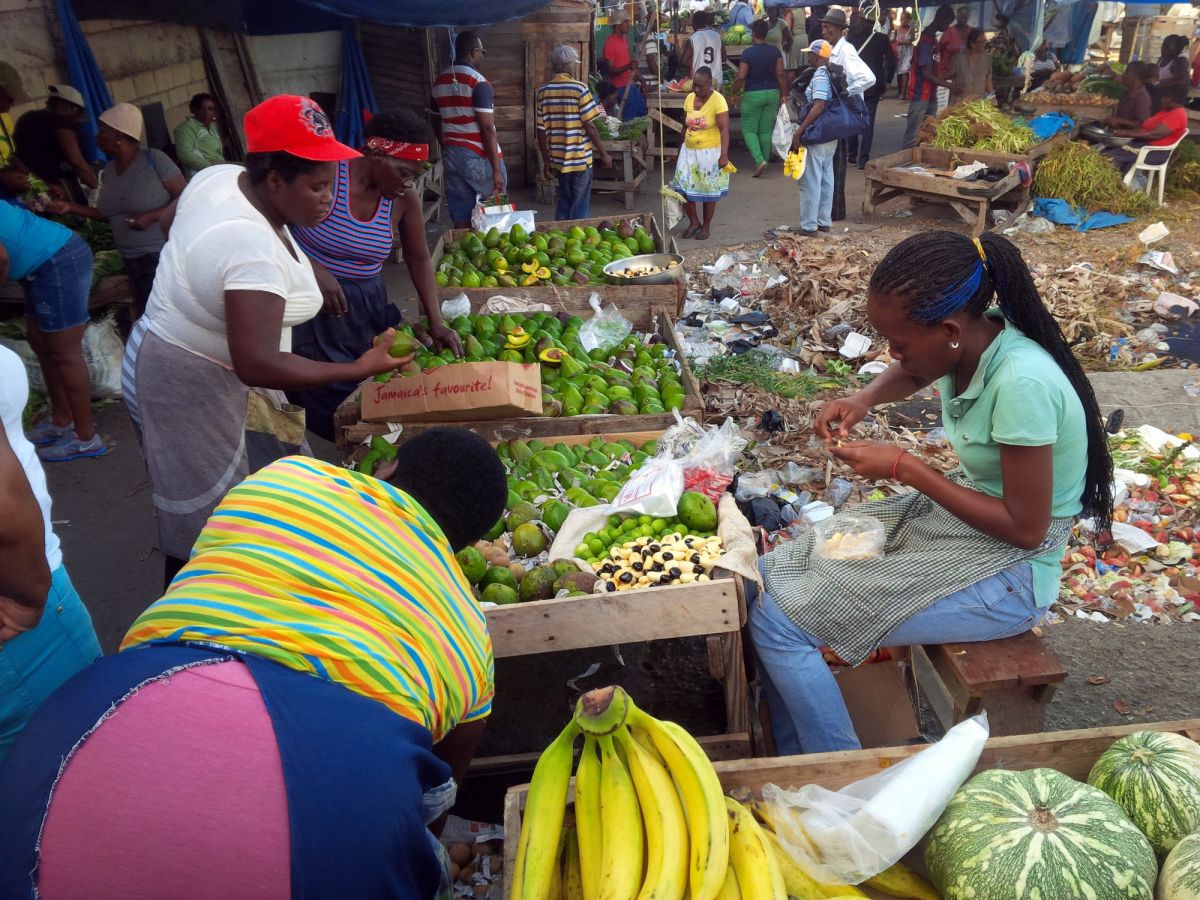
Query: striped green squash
[[1155, 776], [1037, 835], [1180, 875]]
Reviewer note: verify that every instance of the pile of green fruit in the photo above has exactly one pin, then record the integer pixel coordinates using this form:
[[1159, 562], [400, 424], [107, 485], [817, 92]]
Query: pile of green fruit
[[496, 581], [632, 378], [517, 258]]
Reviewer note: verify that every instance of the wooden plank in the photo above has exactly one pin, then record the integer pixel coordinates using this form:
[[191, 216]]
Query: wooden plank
[[597, 620], [1021, 660], [737, 688]]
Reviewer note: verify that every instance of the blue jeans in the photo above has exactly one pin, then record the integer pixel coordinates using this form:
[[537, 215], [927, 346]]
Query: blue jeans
[[35, 663], [574, 195], [56, 292], [468, 177], [808, 714], [816, 186]]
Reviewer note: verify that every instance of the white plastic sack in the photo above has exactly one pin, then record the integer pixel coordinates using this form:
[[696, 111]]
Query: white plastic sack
[[653, 490], [848, 836], [456, 306], [103, 351], [783, 132]]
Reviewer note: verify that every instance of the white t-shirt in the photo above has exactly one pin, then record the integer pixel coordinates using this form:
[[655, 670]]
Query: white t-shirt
[[219, 242], [14, 394], [706, 52]]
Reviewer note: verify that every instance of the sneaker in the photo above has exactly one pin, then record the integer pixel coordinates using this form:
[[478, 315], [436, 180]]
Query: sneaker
[[71, 447], [824, 229], [48, 433]]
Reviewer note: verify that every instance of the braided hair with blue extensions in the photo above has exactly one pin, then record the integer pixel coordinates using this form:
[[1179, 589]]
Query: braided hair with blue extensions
[[939, 274]]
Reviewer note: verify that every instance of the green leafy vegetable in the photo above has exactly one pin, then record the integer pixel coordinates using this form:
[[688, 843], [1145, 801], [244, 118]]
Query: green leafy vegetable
[[758, 369]]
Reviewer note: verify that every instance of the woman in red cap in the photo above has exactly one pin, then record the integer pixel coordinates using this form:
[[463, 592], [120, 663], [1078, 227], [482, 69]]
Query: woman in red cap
[[206, 365]]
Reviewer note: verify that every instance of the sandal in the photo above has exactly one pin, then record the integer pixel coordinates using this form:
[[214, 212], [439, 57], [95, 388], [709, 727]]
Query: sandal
[[700, 235], [760, 171], [690, 232]]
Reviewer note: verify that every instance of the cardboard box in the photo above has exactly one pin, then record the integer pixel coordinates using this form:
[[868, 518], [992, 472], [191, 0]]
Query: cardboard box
[[877, 698], [456, 393]]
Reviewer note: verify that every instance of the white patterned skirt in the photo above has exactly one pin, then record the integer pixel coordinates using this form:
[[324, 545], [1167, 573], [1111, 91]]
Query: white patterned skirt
[[699, 177]]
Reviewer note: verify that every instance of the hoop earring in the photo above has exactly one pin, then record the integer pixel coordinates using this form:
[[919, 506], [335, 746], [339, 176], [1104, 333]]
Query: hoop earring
[[954, 345]]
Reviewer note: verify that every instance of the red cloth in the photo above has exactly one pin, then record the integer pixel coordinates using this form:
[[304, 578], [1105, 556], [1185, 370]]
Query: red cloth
[[1175, 119], [616, 51], [951, 43], [195, 804]]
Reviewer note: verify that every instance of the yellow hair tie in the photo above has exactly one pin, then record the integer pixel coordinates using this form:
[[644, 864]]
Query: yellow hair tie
[[979, 246]]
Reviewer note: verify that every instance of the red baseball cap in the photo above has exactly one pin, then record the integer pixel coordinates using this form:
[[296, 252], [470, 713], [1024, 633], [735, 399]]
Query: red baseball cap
[[295, 125]]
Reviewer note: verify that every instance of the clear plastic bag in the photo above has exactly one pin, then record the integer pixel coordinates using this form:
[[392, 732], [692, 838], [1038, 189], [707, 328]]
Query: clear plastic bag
[[849, 536], [456, 306], [848, 836], [653, 490], [606, 328], [712, 462]]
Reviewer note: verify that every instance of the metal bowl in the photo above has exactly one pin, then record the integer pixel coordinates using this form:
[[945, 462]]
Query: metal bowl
[[648, 259], [1103, 136]]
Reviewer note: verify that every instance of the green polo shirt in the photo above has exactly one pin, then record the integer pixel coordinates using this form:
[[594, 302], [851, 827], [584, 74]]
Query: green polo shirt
[[1019, 396]]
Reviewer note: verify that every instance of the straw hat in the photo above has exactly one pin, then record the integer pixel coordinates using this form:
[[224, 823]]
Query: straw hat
[[125, 118]]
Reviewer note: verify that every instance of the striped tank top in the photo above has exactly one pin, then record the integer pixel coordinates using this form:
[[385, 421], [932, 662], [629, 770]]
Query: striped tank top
[[348, 247], [339, 575]]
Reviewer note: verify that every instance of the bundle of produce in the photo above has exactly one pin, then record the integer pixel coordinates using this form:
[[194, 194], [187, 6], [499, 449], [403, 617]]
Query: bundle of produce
[[1077, 173], [1183, 172], [1098, 84], [1063, 82], [635, 377], [980, 125], [1066, 98], [737, 34], [613, 129], [650, 820], [1037, 834], [515, 258]]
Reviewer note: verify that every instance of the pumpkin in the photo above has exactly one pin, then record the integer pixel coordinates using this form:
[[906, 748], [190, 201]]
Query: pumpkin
[[1037, 835], [1155, 776], [1180, 875]]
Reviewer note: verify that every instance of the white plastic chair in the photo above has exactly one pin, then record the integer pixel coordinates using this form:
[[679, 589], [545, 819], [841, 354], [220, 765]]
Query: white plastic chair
[[1140, 165]]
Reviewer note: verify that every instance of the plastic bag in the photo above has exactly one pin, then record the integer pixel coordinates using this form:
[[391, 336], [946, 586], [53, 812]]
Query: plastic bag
[[848, 836], [850, 536], [711, 464], [783, 132], [606, 328], [653, 490], [456, 306], [103, 353]]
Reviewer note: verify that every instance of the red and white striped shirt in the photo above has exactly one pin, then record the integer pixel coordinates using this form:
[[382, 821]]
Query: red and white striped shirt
[[458, 94]]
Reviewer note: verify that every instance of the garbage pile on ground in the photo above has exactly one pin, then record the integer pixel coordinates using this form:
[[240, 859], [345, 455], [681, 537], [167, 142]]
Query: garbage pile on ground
[[1150, 569]]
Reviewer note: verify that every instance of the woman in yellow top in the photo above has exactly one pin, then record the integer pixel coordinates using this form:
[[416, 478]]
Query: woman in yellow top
[[700, 172]]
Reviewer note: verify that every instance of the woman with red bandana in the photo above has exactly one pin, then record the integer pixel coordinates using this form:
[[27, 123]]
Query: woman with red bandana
[[374, 199]]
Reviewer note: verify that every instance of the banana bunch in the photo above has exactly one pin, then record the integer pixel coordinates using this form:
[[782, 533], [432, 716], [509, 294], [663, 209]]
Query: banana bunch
[[651, 822], [793, 164], [729, 168]]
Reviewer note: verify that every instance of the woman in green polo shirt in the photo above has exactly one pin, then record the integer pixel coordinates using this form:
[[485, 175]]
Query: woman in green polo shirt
[[970, 556]]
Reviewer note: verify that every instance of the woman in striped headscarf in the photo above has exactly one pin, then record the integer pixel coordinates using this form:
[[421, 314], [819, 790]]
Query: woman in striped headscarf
[[292, 717]]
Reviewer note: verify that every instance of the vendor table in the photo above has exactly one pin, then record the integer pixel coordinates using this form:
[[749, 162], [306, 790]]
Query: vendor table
[[887, 177], [629, 168], [1072, 753]]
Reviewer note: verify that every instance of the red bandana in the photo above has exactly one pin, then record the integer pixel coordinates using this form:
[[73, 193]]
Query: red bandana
[[399, 149]]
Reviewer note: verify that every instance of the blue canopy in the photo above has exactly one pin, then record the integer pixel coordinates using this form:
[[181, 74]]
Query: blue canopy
[[85, 77], [356, 95]]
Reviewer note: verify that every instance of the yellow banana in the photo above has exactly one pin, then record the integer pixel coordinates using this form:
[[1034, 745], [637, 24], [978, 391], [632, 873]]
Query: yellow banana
[[700, 790], [555, 892], [901, 881], [621, 871], [666, 827], [572, 880], [587, 818], [541, 827], [758, 872], [730, 889], [642, 738]]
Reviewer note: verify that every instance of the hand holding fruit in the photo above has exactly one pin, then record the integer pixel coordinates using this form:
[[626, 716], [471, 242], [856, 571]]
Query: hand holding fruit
[[445, 338], [390, 351], [871, 459], [837, 417]]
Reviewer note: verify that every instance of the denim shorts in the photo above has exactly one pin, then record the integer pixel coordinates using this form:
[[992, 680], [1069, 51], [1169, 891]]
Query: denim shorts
[[34, 664], [468, 177], [56, 292]]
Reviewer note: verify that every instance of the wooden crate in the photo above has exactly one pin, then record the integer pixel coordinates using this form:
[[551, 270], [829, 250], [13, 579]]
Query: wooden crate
[[887, 178], [629, 170], [1071, 752], [349, 429], [1032, 156], [666, 295]]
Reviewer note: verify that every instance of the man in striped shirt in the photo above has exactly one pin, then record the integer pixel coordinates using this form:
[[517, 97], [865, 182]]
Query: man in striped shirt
[[567, 135], [463, 112]]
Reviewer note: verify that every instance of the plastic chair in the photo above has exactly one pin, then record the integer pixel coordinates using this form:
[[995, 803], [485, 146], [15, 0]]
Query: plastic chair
[[1140, 165]]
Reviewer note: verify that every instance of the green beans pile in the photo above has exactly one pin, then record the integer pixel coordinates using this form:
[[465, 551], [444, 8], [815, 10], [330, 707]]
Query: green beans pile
[[1077, 173], [1183, 174], [979, 125]]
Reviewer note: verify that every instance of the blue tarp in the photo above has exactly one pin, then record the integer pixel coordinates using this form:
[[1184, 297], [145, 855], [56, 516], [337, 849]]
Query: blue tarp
[[1081, 15], [85, 76], [1060, 212], [1047, 125], [355, 95]]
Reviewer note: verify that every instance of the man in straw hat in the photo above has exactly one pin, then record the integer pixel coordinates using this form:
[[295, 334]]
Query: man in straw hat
[[49, 143], [567, 135]]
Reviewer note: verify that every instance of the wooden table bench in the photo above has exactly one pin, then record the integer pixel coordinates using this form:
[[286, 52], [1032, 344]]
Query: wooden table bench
[[1013, 679]]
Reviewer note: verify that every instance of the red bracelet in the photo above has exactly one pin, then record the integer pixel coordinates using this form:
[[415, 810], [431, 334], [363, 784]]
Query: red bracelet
[[896, 464]]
